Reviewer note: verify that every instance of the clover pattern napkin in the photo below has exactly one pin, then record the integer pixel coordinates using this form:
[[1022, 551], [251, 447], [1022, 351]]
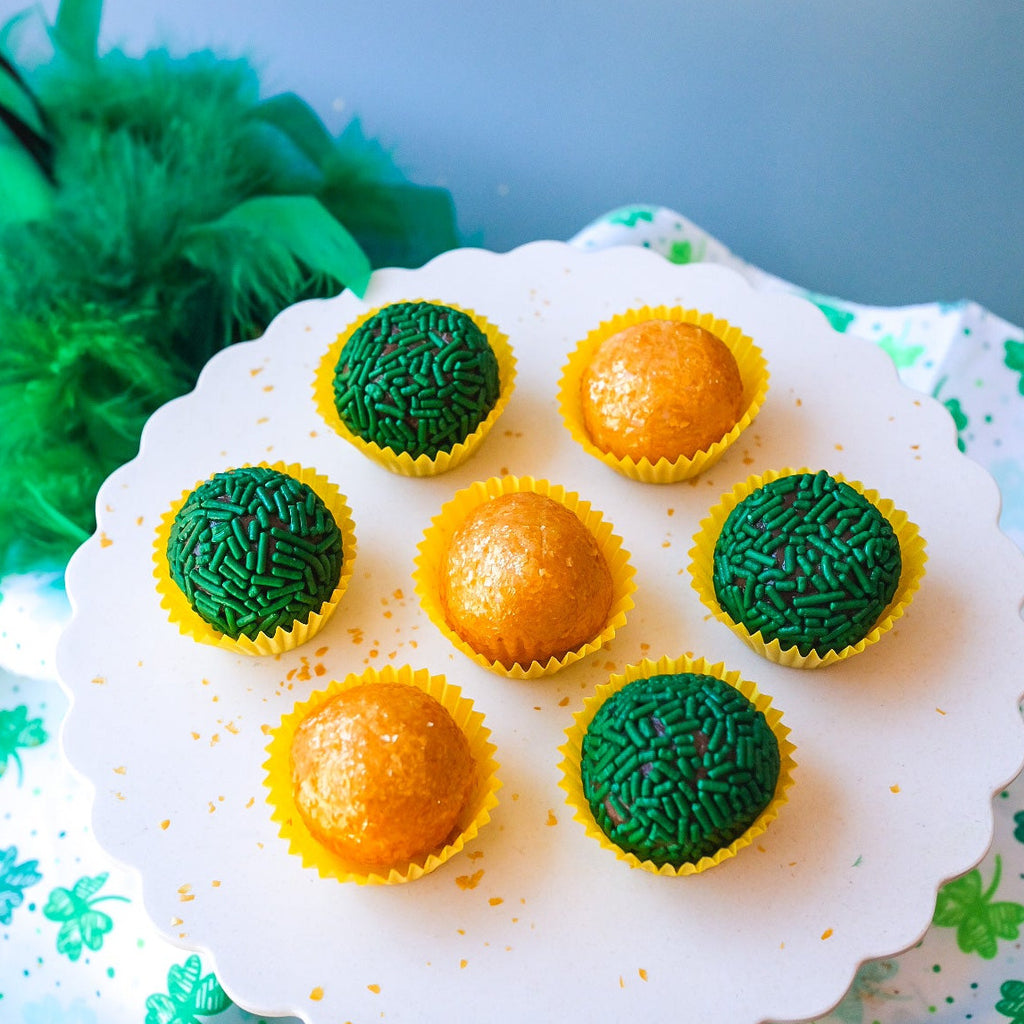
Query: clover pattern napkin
[[76, 946]]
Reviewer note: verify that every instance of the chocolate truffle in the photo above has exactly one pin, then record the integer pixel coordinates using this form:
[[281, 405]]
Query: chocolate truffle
[[806, 560], [660, 389], [381, 773], [522, 580], [676, 767], [416, 377], [254, 550]]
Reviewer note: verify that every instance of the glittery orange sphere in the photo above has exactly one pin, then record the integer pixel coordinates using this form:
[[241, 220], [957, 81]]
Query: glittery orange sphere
[[524, 580], [660, 389], [381, 773]]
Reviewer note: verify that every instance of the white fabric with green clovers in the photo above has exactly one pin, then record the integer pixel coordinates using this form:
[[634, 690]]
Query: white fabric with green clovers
[[76, 946]]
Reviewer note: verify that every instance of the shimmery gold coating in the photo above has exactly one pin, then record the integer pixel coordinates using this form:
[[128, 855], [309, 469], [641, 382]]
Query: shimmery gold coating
[[381, 772], [524, 580], [660, 389]]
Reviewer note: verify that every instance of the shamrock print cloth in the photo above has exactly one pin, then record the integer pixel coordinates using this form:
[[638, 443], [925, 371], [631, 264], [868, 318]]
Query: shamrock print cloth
[[76, 946]]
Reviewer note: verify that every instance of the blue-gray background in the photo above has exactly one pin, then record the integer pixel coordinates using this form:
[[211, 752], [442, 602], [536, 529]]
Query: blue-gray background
[[870, 149]]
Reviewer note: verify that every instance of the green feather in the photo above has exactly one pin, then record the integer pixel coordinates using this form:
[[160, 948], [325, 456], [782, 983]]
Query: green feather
[[187, 213]]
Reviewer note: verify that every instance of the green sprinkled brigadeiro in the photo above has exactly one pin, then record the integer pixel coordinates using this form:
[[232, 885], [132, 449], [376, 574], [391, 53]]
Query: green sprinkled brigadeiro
[[253, 550], [807, 560], [675, 767], [416, 377]]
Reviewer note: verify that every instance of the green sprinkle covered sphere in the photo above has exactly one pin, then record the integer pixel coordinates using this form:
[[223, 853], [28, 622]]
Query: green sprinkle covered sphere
[[416, 377], [676, 767], [253, 550], [807, 560]]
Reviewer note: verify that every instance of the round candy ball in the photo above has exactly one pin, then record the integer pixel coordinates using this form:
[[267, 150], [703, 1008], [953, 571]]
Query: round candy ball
[[254, 550], [677, 766], [381, 773], [806, 560], [522, 580], [416, 377], [661, 389]]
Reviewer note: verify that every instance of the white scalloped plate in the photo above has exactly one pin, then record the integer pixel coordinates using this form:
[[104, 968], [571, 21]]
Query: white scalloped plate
[[899, 750]]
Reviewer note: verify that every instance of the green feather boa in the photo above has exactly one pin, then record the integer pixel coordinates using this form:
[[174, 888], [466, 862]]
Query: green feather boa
[[152, 211]]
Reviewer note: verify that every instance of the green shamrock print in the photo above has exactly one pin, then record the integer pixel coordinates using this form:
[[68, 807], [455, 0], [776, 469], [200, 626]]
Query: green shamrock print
[[960, 420], [1018, 832], [630, 216], [840, 319], [18, 730], [978, 921], [189, 992], [14, 880], [902, 355], [81, 924], [1013, 358], [1012, 1003]]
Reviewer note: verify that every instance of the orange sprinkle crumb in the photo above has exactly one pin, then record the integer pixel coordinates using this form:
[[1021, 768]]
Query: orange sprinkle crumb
[[670, 511], [895, 788], [215, 739], [250, 801], [356, 634], [120, 770], [119, 795], [215, 883], [232, 728], [195, 735], [319, 668], [463, 963], [515, 796], [564, 702], [138, 522], [609, 666], [622, 981], [496, 901], [97, 680], [185, 893], [398, 595], [165, 824], [469, 881], [375, 989], [176, 922], [475, 854], [826, 934], [666, 543], [940, 711], [387, 615], [213, 807], [799, 401], [645, 647], [642, 973], [317, 994], [312, 433], [105, 541], [268, 387], [552, 820], [266, 729], [253, 373]]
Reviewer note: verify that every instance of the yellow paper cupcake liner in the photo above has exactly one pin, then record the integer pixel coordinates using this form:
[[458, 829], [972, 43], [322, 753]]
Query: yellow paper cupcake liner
[[571, 750], [912, 552], [426, 574], [190, 623], [753, 372], [328, 864], [402, 462]]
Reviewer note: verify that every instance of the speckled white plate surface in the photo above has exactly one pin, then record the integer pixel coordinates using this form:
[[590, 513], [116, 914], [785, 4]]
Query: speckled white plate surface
[[899, 750]]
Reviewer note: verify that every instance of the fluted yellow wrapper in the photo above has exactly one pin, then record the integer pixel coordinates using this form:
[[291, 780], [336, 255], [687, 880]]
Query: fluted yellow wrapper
[[753, 373], [437, 537], [403, 463], [912, 552], [190, 623], [571, 781], [474, 816]]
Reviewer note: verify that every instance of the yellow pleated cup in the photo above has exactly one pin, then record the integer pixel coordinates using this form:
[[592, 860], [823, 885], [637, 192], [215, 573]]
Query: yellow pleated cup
[[749, 359], [572, 783], [328, 864], [190, 623], [403, 463], [431, 550], [912, 552]]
